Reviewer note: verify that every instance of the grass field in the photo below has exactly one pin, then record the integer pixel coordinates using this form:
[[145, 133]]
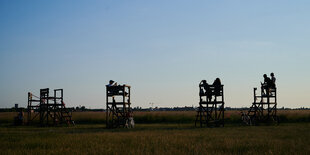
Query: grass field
[[231, 117], [176, 135]]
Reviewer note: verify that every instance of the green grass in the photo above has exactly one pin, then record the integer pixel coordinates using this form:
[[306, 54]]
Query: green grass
[[292, 138]]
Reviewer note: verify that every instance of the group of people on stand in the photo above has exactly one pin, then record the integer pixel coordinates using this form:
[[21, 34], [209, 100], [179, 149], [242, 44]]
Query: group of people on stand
[[268, 84], [210, 90], [215, 88]]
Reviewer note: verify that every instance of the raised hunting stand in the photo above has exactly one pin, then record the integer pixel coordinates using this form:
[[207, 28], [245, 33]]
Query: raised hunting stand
[[118, 104], [210, 113], [51, 110], [263, 109]]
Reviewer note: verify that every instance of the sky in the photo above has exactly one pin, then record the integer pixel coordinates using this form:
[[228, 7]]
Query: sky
[[163, 49]]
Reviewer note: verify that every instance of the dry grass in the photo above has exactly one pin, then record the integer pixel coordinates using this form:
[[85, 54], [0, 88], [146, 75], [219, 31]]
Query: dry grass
[[157, 139], [231, 117], [174, 133]]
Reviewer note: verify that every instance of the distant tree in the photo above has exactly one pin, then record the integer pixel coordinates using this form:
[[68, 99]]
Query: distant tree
[[83, 108]]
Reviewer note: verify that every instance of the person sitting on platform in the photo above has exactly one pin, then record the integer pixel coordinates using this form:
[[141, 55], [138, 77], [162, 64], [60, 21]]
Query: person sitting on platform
[[111, 90], [266, 85], [217, 87], [112, 83], [273, 79], [207, 89]]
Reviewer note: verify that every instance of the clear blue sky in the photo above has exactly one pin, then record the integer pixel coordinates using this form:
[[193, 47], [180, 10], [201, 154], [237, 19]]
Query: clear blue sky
[[161, 48]]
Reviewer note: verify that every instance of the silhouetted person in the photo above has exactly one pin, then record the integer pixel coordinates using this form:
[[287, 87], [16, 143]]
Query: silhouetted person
[[273, 79], [112, 83], [217, 87], [207, 89], [21, 116], [112, 90], [19, 119], [266, 85], [202, 84]]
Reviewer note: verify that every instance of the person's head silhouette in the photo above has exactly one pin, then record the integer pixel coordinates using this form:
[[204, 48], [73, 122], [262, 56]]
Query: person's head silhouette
[[265, 76], [111, 82], [217, 81]]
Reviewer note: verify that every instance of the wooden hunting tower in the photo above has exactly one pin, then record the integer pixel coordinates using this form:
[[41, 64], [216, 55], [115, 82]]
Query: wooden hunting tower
[[210, 112], [263, 109], [50, 110], [118, 104]]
